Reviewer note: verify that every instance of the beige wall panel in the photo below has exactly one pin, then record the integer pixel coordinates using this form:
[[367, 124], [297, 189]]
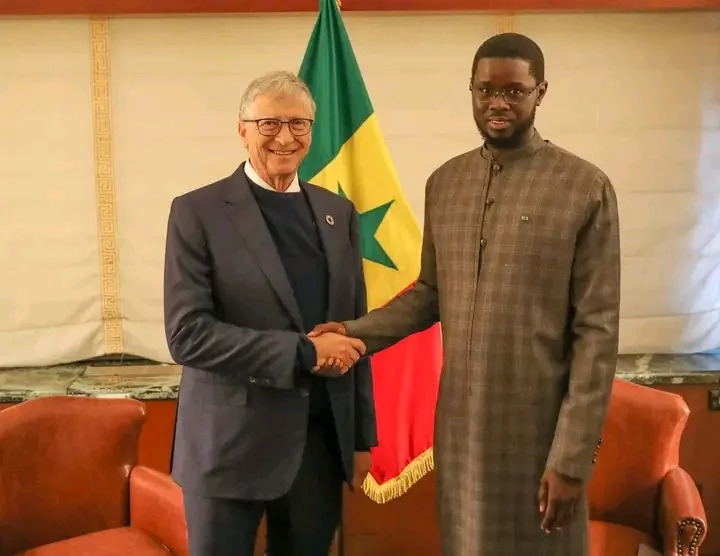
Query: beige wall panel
[[49, 286], [639, 95]]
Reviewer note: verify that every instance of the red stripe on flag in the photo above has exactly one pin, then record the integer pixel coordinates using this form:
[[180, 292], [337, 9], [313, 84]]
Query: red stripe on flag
[[406, 377]]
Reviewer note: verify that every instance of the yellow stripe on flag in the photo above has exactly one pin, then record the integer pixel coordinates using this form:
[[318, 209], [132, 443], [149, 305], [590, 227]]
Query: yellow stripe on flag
[[364, 171]]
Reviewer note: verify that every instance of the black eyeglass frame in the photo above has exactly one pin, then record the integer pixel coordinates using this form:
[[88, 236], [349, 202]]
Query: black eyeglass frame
[[504, 92], [281, 124]]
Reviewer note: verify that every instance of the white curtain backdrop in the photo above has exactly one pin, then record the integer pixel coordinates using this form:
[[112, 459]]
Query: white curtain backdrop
[[623, 93], [49, 258]]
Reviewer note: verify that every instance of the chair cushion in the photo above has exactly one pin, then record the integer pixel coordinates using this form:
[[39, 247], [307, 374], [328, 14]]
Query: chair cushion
[[111, 542], [618, 540]]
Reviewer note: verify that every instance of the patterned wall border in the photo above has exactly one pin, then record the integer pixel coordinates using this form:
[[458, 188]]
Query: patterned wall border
[[105, 186]]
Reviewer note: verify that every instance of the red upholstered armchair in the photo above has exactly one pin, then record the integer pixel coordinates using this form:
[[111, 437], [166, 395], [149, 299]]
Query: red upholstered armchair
[[69, 484], [638, 494]]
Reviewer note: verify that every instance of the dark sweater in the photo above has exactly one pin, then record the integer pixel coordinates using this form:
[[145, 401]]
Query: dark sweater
[[291, 223]]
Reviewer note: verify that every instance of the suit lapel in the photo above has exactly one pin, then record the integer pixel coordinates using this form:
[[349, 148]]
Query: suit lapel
[[333, 232], [244, 213]]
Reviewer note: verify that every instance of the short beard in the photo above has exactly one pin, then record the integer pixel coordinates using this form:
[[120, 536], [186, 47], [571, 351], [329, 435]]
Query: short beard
[[513, 141]]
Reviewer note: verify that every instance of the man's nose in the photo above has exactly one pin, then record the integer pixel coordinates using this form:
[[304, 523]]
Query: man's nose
[[284, 136], [498, 102]]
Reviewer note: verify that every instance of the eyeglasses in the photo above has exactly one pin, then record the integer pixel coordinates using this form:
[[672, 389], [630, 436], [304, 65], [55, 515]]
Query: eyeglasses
[[272, 126], [512, 95]]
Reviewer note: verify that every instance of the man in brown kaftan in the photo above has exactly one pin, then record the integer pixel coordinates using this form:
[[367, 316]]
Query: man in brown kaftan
[[521, 264]]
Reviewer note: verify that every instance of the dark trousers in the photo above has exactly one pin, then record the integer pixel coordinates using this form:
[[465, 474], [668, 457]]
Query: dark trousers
[[300, 523]]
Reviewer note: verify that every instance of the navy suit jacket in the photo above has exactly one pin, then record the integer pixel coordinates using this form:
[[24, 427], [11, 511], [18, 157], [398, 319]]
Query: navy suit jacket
[[232, 322]]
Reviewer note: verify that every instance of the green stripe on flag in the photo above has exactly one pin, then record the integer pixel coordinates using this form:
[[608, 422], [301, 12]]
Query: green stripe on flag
[[331, 71]]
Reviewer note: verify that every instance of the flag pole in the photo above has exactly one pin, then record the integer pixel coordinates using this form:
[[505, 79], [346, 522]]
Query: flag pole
[[341, 527]]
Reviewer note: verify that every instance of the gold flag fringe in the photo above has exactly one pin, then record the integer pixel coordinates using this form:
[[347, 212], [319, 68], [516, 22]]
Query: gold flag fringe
[[397, 486]]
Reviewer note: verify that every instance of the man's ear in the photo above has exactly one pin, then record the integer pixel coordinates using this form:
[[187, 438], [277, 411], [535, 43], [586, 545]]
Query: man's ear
[[542, 90], [242, 131]]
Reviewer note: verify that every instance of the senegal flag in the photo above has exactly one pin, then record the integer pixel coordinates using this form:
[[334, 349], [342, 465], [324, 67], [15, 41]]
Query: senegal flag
[[348, 156]]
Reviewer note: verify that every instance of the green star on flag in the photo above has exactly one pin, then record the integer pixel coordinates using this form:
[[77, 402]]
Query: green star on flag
[[370, 221]]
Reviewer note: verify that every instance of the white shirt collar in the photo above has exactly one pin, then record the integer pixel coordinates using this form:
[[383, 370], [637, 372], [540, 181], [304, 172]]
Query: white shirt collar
[[257, 180]]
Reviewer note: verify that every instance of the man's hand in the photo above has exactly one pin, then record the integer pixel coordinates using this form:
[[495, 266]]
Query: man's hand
[[336, 353], [361, 468], [559, 496], [334, 327], [331, 366]]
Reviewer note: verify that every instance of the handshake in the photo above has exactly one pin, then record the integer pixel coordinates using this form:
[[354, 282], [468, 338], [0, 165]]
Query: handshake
[[336, 353]]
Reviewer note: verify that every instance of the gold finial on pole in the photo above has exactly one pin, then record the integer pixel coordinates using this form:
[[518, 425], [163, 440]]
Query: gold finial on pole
[[339, 3]]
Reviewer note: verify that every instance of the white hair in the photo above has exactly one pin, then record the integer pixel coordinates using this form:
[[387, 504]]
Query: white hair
[[276, 82]]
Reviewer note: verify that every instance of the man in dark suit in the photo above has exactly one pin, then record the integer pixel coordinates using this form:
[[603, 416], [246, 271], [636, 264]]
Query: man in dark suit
[[267, 422]]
